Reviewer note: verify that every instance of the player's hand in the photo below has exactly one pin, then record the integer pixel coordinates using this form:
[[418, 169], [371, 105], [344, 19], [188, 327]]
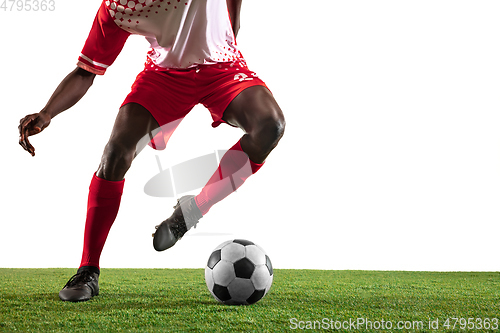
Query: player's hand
[[30, 125]]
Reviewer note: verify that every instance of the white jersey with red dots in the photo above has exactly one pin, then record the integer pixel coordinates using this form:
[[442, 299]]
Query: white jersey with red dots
[[182, 33]]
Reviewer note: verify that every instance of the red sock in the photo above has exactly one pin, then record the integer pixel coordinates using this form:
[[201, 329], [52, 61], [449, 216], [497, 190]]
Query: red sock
[[102, 208], [234, 168]]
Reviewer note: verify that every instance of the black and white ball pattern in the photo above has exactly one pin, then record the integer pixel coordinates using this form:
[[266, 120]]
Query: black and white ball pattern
[[238, 272]]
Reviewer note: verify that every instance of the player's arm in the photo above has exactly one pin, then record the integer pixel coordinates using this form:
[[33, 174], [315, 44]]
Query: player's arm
[[68, 93], [234, 7], [104, 43]]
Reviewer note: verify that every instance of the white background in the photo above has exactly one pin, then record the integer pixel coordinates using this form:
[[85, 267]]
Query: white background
[[390, 160]]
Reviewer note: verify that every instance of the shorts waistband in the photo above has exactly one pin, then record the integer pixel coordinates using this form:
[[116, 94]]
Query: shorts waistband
[[238, 63]]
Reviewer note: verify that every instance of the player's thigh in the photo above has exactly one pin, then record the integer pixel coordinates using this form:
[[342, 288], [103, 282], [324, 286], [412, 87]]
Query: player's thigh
[[133, 128], [252, 108]]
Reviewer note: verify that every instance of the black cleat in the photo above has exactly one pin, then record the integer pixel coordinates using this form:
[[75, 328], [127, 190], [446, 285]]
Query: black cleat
[[185, 216], [81, 287]]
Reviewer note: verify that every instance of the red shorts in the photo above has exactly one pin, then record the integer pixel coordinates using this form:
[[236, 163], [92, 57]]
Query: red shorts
[[169, 95]]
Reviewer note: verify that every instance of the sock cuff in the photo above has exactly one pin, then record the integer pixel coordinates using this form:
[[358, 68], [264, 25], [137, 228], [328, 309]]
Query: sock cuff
[[106, 188], [202, 203], [92, 269], [255, 166]]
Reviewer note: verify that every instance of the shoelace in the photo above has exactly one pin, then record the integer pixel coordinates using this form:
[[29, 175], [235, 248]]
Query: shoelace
[[177, 221], [193, 217], [85, 276], [179, 228]]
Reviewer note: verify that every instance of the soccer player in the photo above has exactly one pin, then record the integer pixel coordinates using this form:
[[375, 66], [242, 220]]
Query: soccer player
[[193, 59]]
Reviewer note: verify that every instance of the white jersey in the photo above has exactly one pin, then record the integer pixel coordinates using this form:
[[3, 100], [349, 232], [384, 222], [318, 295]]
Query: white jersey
[[182, 33]]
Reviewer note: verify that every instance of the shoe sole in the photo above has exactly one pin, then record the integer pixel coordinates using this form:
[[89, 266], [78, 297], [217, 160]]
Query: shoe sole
[[74, 298]]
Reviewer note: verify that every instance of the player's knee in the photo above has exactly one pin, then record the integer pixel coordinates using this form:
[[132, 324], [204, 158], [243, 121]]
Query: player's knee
[[115, 162], [279, 128], [271, 131], [265, 138]]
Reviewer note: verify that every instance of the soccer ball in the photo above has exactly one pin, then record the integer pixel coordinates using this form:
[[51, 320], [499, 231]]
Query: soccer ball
[[238, 272]]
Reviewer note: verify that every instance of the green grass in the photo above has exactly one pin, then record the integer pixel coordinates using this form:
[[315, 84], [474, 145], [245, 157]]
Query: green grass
[[170, 300]]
